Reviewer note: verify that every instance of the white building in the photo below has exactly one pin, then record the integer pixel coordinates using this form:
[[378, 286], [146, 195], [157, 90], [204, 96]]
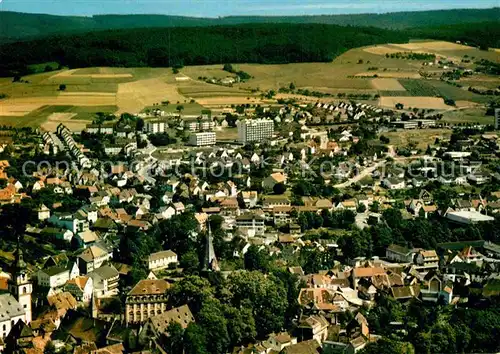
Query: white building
[[468, 217], [155, 126], [254, 224], [202, 139], [255, 130], [43, 213], [105, 281], [16, 305], [53, 277], [11, 312], [161, 260]]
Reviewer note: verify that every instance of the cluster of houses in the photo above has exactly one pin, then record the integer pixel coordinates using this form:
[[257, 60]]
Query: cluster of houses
[[256, 207]]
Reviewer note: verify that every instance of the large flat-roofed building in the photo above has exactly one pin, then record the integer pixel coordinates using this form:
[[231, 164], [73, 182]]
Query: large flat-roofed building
[[202, 139], [468, 217], [255, 130]]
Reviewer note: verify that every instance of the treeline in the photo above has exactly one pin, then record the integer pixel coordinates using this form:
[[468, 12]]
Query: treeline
[[175, 47], [250, 43], [482, 34], [18, 26]]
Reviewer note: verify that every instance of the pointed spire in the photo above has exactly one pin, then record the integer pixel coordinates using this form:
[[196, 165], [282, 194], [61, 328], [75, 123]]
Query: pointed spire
[[19, 263], [210, 258]]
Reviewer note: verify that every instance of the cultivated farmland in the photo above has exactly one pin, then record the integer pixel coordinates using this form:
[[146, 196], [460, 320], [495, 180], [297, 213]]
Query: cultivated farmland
[[415, 102], [419, 88], [387, 85]]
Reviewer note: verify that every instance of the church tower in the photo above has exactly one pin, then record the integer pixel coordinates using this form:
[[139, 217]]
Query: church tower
[[210, 261], [20, 285]]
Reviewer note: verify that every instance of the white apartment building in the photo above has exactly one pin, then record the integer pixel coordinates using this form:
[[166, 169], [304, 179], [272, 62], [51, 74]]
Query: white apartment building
[[255, 130], [251, 222], [196, 125], [155, 126], [202, 139]]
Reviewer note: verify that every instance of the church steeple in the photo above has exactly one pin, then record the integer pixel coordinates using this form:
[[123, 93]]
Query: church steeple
[[20, 285], [210, 261], [19, 265]]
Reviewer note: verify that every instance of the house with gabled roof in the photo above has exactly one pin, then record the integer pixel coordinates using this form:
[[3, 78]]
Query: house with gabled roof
[[81, 287], [399, 254], [93, 257], [313, 327]]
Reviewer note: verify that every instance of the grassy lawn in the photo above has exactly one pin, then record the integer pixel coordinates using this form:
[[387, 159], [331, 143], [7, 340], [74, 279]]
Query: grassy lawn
[[457, 93], [473, 115], [227, 134], [421, 137]]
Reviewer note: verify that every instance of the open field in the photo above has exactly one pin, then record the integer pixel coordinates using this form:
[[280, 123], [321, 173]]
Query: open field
[[387, 85], [197, 89], [39, 116], [433, 45], [382, 50], [457, 93], [22, 106], [421, 137], [226, 101], [54, 119], [414, 102], [132, 97], [208, 71], [473, 116], [390, 74], [135, 89]]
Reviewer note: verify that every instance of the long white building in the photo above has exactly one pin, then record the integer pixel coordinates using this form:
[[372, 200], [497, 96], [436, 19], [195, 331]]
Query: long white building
[[255, 130], [202, 139]]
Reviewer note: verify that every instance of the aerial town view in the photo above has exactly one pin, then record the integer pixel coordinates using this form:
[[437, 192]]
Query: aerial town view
[[249, 177]]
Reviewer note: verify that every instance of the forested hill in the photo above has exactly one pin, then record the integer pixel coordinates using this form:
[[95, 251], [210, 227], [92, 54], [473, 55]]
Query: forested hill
[[16, 26], [165, 47]]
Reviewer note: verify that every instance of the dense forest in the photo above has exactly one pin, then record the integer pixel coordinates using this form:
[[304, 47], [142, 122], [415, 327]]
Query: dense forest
[[251, 43], [15, 26], [170, 47]]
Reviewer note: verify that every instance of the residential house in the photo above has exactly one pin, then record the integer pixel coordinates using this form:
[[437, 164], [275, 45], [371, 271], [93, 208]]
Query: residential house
[[53, 277], [250, 198], [93, 257], [105, 281], [279, 341], [309, 346], [43, 213], [427, 259], [399, 254], [86, 238], [393, 183], [367, 273], [81, 287], [269, 182], [252, 223], [313, 327]]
